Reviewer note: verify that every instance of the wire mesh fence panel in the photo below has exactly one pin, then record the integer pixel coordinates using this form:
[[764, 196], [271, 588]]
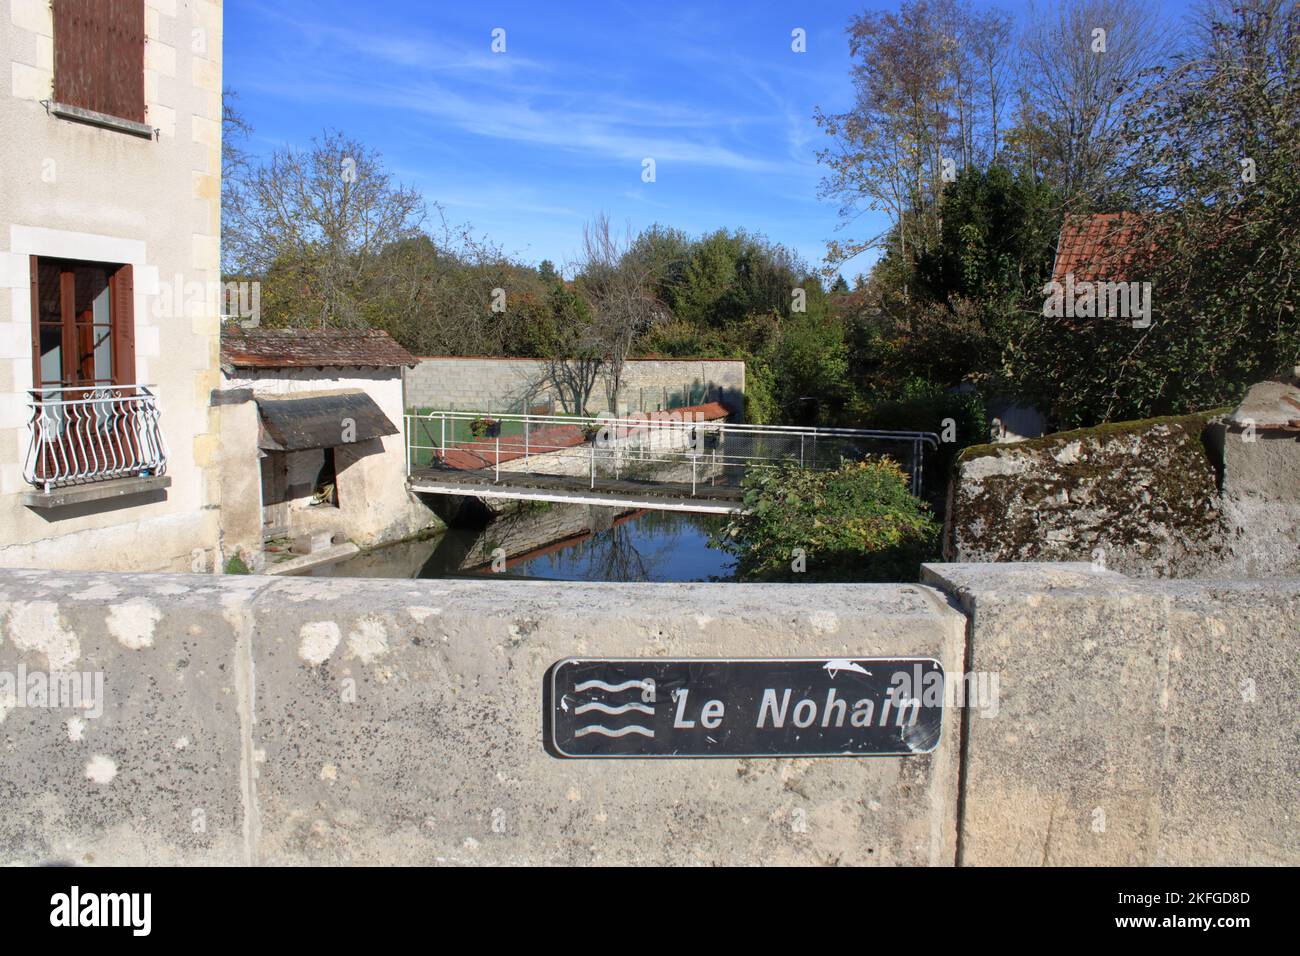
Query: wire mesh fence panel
[[674, 450]]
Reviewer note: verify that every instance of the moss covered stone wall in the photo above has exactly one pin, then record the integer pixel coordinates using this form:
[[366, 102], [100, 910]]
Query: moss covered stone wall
[[1139, 497]]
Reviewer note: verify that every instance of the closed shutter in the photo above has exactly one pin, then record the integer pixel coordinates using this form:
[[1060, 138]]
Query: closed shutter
[[125, 44], [99, 56]]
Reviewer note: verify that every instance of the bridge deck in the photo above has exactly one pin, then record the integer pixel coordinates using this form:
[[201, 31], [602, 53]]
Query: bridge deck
[[569, 489]]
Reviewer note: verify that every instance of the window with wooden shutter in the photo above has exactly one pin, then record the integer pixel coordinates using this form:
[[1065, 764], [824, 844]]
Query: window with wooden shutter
[[90, 420], [99, 56], [83, 324]]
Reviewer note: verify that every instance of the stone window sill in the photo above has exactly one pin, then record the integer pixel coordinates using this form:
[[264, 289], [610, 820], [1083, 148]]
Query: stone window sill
[[95, 491], [104, 120]]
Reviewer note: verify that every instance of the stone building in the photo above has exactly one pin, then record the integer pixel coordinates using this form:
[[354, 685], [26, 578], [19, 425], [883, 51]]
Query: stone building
[[312, 439], [109, 256]]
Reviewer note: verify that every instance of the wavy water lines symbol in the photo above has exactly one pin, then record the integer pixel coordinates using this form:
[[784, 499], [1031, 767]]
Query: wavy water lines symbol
[[614, 688], [606, 709], [596, 708], [620, 732]]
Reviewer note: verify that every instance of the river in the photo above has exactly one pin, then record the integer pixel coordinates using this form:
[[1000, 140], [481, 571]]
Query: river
[[558, 543]]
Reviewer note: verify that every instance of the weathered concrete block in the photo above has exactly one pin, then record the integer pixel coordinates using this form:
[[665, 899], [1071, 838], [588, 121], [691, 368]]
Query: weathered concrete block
[[1141, 495], [313, 542], [1138, 722], [159, 777], [392, 721], [402, 722]]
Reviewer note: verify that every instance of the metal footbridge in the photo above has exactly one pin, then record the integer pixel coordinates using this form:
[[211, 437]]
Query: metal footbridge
[[689, 459]]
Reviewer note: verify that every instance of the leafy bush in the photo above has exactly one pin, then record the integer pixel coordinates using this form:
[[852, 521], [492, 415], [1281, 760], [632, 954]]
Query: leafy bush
[[856, 523]]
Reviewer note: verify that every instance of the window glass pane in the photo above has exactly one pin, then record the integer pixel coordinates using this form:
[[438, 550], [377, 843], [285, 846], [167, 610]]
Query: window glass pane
[[47, 291], [75, 332], [51, 354], [92, 293], [103, 353]]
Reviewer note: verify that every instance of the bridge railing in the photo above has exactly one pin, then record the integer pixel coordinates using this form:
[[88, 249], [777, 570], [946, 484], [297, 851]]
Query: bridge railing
[[649, 447]]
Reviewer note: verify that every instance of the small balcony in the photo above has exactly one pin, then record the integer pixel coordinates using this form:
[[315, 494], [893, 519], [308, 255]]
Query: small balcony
[[84, 438]]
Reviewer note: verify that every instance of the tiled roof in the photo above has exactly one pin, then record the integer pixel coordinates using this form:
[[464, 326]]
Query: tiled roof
[[1098, 247], [311, 348]]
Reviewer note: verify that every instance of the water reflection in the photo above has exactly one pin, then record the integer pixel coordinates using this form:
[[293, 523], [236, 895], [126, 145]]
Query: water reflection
[[561, 543]]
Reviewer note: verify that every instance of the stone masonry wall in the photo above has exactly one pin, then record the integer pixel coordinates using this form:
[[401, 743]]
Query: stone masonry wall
[[508, 384], [1137, 497]]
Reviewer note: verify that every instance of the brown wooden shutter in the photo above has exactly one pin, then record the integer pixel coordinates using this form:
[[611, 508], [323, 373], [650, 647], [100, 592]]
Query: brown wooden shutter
[[36, 322], [80, 53], [125, 44], [99, 56], [123, 299], [71, 369], [124, 327]]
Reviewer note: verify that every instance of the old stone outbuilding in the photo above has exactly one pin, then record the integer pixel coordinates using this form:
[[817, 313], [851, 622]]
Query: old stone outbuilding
[[313, 449]]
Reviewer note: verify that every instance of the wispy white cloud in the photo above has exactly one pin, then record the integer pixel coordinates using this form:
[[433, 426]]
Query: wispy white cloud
[[509, 98], [529, 144]]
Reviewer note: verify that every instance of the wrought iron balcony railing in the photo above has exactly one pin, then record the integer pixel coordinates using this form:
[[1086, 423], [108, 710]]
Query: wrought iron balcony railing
[[92, 433]]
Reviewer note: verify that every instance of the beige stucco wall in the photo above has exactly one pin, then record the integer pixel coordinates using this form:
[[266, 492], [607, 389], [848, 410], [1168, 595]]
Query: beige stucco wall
[[374, 504], [78, 191]]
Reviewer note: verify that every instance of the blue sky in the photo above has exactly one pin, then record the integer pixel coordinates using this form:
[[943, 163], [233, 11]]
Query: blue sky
[[528, 144]]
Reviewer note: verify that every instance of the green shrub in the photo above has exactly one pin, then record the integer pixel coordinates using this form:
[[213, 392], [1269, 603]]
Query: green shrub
[[856, 523], [235, 565]]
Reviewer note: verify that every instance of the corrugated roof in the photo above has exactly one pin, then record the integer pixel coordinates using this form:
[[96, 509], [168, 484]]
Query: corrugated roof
[[311, 348]]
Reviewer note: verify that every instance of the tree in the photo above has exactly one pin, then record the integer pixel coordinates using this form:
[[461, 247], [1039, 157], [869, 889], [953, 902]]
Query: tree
[[235, 131], [622, 307], [1220, 236], [577, 355], [325, 215], [930, 89], [1083, 62]]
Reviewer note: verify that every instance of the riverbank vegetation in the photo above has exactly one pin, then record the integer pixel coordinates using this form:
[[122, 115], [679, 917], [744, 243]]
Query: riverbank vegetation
[[858, 522]]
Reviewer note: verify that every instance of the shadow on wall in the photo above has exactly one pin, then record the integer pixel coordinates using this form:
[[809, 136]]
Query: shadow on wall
[[516, 386]]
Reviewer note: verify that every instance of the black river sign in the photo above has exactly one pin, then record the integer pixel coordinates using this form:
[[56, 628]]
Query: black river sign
[[815, 707]]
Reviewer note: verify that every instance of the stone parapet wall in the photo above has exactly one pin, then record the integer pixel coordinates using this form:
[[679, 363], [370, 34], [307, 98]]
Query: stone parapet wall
[[322, 721]]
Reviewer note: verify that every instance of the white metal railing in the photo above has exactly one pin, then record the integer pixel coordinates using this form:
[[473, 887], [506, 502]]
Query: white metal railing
[[92, 433], [647, 446]]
